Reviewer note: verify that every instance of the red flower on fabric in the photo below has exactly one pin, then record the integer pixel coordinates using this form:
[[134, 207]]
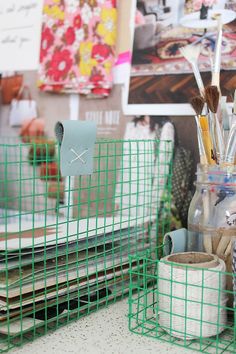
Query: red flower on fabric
[[60, 65], [101, 52], [46, 42], [96, 79], [113, 3], [77, 22], [42, 87], [70, 36], [99, 91], [58, 88]]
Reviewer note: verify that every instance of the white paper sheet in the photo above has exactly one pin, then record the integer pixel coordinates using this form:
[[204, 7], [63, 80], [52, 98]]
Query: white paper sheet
[[21, 235], [20, 29]]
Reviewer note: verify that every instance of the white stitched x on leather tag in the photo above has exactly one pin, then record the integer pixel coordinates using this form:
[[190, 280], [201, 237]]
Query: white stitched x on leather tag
[[78, 157], [77, 147]]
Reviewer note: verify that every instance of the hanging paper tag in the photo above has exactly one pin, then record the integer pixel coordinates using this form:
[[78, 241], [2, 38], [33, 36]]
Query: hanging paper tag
[[77, 140]]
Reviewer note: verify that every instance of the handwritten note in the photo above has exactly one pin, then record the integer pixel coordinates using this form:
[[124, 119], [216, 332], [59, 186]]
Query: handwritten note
[[20, 29]]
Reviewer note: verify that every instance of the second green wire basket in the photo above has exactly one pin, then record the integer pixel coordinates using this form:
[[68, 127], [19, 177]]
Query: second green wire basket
[[65, 243]]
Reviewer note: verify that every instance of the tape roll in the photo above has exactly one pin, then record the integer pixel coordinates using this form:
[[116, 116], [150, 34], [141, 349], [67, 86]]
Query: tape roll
[[192, 301], [175, 241], [59, 131]]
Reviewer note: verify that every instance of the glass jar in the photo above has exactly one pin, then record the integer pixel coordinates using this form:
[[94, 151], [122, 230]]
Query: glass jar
[[212, 212]]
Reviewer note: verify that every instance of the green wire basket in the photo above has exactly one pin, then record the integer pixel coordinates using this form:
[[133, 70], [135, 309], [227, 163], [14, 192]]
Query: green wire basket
[[65, 242], [187, 306]]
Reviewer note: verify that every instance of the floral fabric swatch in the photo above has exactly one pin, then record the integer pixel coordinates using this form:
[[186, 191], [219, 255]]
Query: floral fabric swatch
[[78, 46]]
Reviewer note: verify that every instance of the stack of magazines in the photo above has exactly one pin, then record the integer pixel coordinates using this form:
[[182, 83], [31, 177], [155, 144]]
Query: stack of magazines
[[51, 268]]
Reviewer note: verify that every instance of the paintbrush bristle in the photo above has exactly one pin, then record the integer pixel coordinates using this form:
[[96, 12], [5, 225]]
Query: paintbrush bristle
[[212, 96], [197, 103], [191, 52]]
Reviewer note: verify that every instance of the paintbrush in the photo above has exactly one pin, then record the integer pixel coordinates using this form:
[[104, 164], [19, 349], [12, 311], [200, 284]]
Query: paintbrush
[[203, 120], [198, 107], [198, 104], [233, 117], [225, 118], [222, 247], [215, 81], [212, 96], [201, 147], [230, 151], [191, 54], [234, 105]]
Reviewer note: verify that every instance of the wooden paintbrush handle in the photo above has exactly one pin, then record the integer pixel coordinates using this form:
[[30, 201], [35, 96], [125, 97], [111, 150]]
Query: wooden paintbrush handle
[[228, 249], [223, 245], [207, 243], [215, 79], [208, 147]]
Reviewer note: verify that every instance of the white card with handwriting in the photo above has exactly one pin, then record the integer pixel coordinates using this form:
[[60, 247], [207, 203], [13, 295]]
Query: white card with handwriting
[[20, 32]]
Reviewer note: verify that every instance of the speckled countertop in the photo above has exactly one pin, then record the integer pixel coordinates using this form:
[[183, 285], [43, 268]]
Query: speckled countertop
[[103, 332]]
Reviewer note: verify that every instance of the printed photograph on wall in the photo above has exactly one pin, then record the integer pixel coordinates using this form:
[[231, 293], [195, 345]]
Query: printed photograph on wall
[[159, 72]]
